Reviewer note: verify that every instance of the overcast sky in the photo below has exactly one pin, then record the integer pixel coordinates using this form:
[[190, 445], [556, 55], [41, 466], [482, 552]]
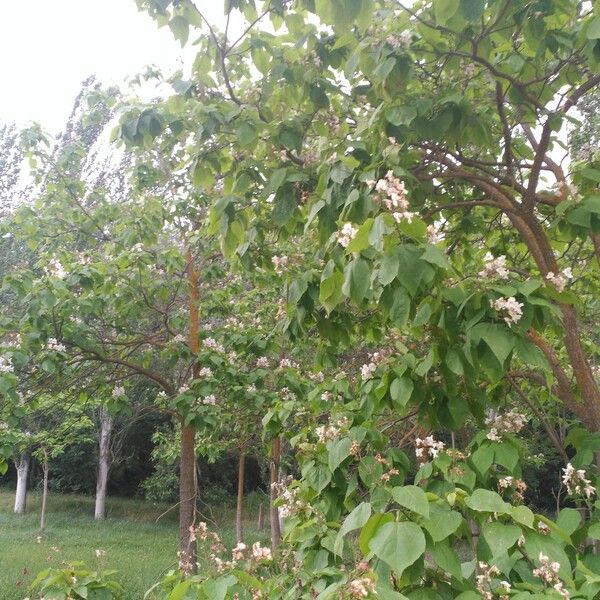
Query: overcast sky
[[48, 47]]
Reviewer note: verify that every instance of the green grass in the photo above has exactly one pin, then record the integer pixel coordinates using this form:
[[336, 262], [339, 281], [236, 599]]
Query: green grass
[[136, 545]]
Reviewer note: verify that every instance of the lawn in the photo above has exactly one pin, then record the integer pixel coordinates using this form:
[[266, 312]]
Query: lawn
[[138, 546]]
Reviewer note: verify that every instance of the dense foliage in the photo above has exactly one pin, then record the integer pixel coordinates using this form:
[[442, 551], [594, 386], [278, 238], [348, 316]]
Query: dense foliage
[[384, 182]]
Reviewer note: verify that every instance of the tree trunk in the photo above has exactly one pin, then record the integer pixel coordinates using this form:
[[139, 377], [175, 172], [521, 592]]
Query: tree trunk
[[45, 469], [260, 523], [273, 510], [106, 425], [22, 473], [187, 500], [239, 511], [187, 461]]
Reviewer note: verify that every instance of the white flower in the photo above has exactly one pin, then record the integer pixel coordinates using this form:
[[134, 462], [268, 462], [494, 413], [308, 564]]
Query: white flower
[[427, 448], [6, 365], [261, 553], [346, 234], [52, 345], [433, 235], [118, 391], [494, 267], [576, 482], [183, 389], [55, 269], [286, 363], [262, 362], [212, 344], [280, 263], [179, 339], [210, 400], [367, 371], [205, 372], [513, 309]]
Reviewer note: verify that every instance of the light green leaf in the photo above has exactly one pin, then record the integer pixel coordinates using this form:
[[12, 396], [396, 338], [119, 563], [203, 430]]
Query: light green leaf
[[487, 501], [401, 389], [399, 545], [445, 10], [413, 498]]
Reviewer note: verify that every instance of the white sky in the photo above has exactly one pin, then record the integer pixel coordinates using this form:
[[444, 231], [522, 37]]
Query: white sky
[[48, 47]]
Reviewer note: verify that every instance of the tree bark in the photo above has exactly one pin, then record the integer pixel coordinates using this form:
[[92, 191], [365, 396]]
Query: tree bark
[[22, 474], [45, 469], [187, 500], [106, 426], [273, 510], [187, 461], [239, 511]]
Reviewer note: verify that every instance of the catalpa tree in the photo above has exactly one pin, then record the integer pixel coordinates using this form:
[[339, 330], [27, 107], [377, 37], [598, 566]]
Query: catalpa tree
[[417, 155]]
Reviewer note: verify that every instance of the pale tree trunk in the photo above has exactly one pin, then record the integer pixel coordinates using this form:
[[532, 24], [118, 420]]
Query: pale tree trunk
[[22, 474], [106, 426], [239, 511], [45, 469], [187, 461], [273, 510]]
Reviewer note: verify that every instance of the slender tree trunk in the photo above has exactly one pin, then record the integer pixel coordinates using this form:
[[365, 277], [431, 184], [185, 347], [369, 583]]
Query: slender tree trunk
[[106, 426], [239, 511], [260, 523], [273, 510], [45, 469], [22, 474], [187, 462]]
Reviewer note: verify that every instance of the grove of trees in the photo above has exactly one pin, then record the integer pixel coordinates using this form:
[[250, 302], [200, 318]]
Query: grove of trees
[[358, 241]]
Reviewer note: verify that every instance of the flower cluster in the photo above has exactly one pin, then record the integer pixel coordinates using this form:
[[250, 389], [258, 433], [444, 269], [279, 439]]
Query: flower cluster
[[212, 344], [575, 481], [209, 400], [494, 267], [55, 269], [398, 41], [510, 422], [118, 391], [559, 280], [361, 587], [368, 369], [331, 431], [205, 372], [346, 234], [513, 310], [179, 339], [290, 503], [287, 394], [14, 341], [280, 263], [393, 197], [484, 579], [52, 345], [548, 573], [262, 362], [6, 365], [433, 235], [518, 485], [427, 448], [261, 552], [386, 463], [286, 363]]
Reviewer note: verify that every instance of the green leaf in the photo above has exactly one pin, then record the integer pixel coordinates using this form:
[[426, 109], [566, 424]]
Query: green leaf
[[388, 268], [369, 529], [361, 239], [487, 501], [446, 558], [413, 498], [445, 10], [499, 339], [400, 390], [357, 518], [330, 289], [472, 10], [442, 522], [500, 537], [246, 133], [593, 29], [356, 279], [398, 544], [181, 29], [339, 451]]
